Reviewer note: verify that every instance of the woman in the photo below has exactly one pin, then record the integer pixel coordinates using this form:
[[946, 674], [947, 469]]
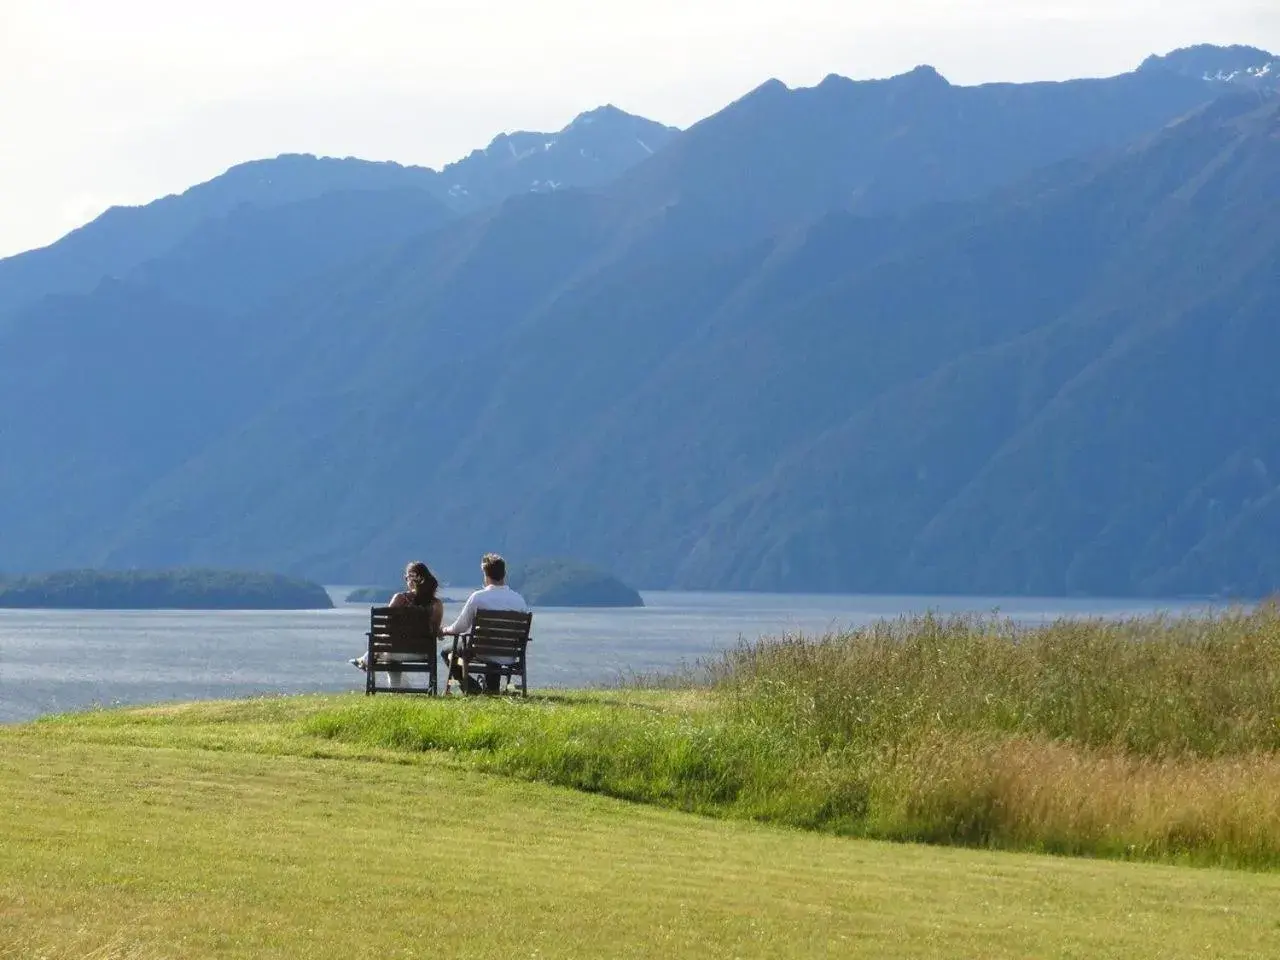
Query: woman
[[422, 586], [420, 591]]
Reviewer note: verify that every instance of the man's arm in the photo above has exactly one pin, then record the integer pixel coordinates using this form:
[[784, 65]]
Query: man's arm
[[465, 619]]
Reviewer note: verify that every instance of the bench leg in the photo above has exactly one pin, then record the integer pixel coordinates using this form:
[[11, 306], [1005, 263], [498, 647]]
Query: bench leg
[[450, 663]]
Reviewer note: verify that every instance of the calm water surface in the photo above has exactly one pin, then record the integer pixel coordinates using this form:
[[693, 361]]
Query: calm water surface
[[58, 660]]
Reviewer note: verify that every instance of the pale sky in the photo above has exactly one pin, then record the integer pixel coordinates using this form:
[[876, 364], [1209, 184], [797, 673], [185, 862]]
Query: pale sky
[[127, 100]]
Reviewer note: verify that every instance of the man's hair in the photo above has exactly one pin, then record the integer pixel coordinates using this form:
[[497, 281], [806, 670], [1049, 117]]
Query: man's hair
[[494, 567]]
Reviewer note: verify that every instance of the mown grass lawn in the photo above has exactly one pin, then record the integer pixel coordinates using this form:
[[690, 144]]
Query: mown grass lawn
[[224, 830]]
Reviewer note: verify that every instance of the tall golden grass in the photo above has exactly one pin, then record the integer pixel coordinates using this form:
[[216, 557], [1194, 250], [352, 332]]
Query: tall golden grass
[[1151, 738], [1035, 793], [1207, 686]]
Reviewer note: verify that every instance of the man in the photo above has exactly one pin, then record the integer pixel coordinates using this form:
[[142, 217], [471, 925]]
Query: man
[[495, 595]]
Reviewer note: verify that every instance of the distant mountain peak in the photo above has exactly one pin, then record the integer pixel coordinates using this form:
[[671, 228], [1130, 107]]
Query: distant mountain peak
[[766, 96], [770, 88], [1248, 66], [606, 119], [921, 77], [924, 74], [602, 114], [593, 148], [609, 120]]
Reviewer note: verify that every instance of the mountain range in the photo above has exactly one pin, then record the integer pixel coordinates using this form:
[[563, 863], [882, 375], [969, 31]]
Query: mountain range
[[595, 148], [889, 336]]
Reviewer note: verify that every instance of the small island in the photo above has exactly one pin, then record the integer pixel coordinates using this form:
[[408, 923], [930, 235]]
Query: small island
[[162, 590], [372, 594], [568, 583]]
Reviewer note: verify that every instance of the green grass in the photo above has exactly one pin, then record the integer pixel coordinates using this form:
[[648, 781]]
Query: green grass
[[274, 826], [1149, 739], [231, 830]]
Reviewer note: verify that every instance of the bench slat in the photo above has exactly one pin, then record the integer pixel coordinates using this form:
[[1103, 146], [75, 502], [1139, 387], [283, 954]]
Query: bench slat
[[508, 635]]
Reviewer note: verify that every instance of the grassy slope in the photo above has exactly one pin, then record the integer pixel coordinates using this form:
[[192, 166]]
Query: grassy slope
[[226, 830]]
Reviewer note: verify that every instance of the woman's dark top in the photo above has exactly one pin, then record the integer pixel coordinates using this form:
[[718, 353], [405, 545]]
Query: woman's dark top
[[433, 604]]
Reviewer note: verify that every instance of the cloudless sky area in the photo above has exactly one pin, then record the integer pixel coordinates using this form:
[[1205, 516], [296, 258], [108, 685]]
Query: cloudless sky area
[[128, 100]]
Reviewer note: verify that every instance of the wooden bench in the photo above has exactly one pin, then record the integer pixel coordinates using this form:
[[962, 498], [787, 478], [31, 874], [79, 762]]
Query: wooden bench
[[407, 633], [495, 647]]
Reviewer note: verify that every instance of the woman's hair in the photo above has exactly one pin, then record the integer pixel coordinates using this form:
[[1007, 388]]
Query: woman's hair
[[424, 588]]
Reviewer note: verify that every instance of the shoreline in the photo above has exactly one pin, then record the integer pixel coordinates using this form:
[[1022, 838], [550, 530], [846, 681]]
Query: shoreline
[[58, 661]]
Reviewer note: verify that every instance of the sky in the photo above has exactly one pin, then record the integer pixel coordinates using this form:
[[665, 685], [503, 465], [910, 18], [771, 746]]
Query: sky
[[123, 102]]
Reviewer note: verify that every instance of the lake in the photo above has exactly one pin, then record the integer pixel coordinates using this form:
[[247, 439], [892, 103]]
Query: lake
[[59, 660]]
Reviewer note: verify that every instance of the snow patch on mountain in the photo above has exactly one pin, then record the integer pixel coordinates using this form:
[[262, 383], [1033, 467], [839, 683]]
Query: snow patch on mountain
[[1249, 73]]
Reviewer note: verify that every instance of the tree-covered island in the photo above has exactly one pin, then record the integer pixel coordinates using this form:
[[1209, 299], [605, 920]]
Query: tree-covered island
[[568, 583], [192, 589]]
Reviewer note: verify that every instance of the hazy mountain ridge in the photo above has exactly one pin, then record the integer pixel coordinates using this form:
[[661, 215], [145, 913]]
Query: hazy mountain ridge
[[123, 238], [647, 381], [594, 148], [846, 166], [882, 146]]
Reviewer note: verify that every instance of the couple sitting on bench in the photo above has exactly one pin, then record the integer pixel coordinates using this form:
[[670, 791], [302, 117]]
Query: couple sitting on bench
[[491, 659]]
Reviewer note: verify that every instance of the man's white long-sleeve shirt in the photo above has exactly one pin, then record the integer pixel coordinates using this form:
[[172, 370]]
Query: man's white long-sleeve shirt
[[490, 598]]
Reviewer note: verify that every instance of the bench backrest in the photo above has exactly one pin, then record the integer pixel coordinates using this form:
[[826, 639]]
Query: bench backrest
[[402, 630], [499, 633]]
